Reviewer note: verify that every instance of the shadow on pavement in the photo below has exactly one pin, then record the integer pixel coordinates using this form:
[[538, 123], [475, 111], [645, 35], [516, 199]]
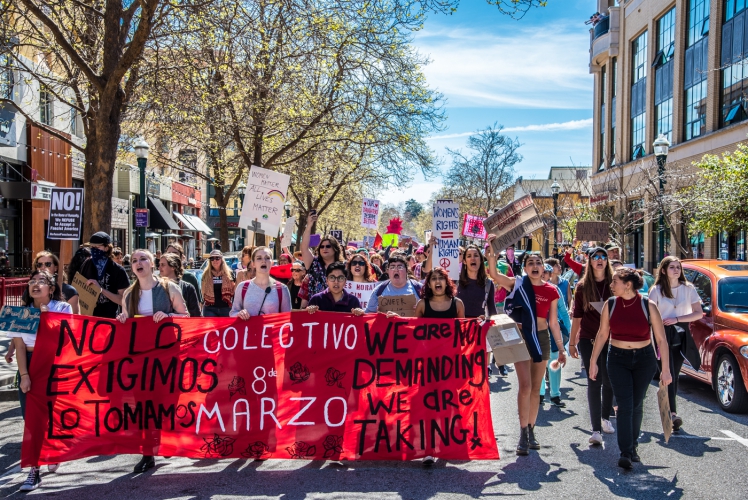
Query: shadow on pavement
[[530, 472], [692, 446]]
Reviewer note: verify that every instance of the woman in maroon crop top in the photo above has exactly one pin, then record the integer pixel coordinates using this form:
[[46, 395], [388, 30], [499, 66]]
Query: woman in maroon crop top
[[631, 358]]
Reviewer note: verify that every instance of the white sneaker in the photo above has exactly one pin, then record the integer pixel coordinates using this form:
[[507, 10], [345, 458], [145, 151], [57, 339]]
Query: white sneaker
[[608, 427], [53, 467], [33, 480], [596, 438]]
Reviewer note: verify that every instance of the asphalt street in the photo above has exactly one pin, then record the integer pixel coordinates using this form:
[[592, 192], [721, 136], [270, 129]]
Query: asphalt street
[[707, 459]]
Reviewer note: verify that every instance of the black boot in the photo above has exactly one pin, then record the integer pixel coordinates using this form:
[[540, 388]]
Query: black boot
[[147, 462], [534, 444], [523, 445]]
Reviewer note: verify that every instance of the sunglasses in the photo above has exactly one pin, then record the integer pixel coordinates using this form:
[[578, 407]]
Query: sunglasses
[[358, 263], [599, 257], [296, 270], [216, 258], [39, 265], [325, 246]]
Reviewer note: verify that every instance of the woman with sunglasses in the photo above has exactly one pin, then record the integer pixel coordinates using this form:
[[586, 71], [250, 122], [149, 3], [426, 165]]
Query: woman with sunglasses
[[590, 295], [47, 261], [261, 294], [360, 278], [217, 287], [298, 271], [246, 272], [44, 294], [170, 267], [539, 315], [328, 252]]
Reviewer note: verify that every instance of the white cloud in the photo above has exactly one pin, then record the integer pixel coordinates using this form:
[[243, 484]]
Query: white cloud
[[523, 66], [543, 127]]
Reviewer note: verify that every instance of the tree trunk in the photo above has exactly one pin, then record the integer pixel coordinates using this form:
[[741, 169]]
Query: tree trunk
[[223, 231]]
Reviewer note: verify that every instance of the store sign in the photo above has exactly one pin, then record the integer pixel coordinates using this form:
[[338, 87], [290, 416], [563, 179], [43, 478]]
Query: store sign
[[141, 217], [42, 190]]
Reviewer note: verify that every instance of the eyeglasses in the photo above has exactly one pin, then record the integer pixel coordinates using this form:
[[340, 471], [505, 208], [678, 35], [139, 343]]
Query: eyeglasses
[[358, 263], [39, 265], [339, 279], [38, 282], [216, 258], [325, 246], [599, 257], [397, 268]]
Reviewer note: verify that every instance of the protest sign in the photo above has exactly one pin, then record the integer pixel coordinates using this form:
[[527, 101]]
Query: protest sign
[[512, 222], [288, 230], [65, 214], [362, 291], [370, 213], [472, 226], [506, 341], [404, 305], [593, 231], [329, 386], [88, 296], [264, 198], [666, 417], [390, 240], [369, 241], [19, 319], [337, 234], [446, 228]]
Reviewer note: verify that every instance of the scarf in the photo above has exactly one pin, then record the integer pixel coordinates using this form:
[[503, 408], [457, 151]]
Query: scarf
[[529, 314], [99, 259], [227, 289]]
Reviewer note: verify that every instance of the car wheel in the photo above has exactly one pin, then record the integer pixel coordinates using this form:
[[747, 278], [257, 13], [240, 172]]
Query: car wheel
[[729, 386]]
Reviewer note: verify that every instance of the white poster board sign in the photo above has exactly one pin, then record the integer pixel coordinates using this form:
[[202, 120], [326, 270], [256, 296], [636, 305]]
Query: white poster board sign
[[288, 231], [362, 291], [263, 201], [446, 229], [370, 213]]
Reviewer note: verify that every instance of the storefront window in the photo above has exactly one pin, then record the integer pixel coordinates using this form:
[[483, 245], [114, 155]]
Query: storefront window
[[697, 246]]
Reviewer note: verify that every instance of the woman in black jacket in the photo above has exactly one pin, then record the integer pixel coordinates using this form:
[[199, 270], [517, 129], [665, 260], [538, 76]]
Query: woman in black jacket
[[170, 267]]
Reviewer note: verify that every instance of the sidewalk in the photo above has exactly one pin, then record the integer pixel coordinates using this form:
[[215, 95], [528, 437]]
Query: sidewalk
[[7, 371]]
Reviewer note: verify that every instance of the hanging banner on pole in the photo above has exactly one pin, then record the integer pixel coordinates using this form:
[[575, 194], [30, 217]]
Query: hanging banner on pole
[[65, 214], [446, 229], [370, 213], [263, 201], [326, 387], [472, 227]]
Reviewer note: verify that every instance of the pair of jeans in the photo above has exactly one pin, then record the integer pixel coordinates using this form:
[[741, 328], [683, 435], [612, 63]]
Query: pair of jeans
[[21, 394], [630, 372], [216, 312], [554, 378], [600, 407]]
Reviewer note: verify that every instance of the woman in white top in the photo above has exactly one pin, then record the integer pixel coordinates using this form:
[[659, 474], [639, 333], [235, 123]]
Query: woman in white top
[[261, 294], [42, 293], [150, 296], [679, 304]]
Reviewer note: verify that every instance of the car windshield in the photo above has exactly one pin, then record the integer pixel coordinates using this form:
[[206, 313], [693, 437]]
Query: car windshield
[[733, 294]]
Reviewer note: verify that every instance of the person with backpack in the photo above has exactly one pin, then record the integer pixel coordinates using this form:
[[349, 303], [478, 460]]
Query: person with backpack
[[150, 296], [533, 304], [397, 284], [629, 320], [262, 294], [590, 295], [334, 298]]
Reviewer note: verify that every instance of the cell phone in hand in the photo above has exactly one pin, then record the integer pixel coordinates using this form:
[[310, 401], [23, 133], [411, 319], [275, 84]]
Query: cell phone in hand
[[312, 212]]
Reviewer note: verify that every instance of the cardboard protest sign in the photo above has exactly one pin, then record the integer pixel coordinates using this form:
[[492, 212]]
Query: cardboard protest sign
[[88, 296], [19, 319], [593, 231], [512, 222], [404, 305], [665, 416], [505, 341], [472, 227], [370, 213], [362, 291], [330, 386], [446, 228], [288, 230], [263, 201], [65, 214]]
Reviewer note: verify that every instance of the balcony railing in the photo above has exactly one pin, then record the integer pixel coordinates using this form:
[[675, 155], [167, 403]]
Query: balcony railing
[[602, 27]]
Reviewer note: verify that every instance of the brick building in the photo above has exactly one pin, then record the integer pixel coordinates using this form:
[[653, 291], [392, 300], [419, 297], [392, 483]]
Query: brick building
[[672, 67]]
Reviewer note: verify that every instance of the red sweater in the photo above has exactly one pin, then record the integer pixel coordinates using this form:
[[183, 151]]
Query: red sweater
[[573, 264]]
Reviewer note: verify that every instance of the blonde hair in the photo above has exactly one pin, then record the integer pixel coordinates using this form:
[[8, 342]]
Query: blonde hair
[[207, 279], [133, 291]]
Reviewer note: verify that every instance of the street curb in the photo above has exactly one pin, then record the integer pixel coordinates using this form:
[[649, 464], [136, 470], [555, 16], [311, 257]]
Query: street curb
[[8, 393]]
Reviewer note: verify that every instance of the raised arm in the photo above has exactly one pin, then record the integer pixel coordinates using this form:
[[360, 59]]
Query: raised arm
[[306, 253], [502, 280]]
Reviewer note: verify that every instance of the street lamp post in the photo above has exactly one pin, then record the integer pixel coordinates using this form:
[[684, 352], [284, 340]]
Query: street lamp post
[[241, 189], [141, 151], [555, 188], [661, 145]]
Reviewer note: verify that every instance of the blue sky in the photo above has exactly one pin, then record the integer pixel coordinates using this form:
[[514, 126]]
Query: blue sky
[[532, 76]]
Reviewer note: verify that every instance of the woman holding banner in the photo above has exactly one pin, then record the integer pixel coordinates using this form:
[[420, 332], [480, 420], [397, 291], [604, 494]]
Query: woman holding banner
[[589, 297], [217, 286], [150, 296], [42, 293], [261, 294], [47, 261], [536, 304]]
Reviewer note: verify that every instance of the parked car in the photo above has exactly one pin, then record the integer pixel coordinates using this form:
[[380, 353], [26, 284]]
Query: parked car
[[721, 335], [232, 258]]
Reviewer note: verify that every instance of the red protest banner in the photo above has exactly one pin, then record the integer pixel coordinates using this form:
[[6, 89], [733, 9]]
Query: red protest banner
[[293, 385]]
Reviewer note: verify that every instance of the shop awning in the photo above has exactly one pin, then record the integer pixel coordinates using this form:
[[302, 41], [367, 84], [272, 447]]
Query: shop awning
[[160, 217], [198, 224], [187, 226]]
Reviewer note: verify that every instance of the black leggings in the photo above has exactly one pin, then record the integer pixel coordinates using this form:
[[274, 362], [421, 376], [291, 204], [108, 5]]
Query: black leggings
[[600, 408]]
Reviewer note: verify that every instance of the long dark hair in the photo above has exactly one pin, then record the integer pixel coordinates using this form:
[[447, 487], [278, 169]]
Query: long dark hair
[[662, 278], [367, 268], [81, 255], [589, 285], [450, 289], [464, 280], [337, 251], [53, 286]]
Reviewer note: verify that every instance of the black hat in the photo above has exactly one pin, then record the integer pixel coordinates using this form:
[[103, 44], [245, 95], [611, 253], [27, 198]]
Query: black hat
[[593, 251], [100, 238]]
